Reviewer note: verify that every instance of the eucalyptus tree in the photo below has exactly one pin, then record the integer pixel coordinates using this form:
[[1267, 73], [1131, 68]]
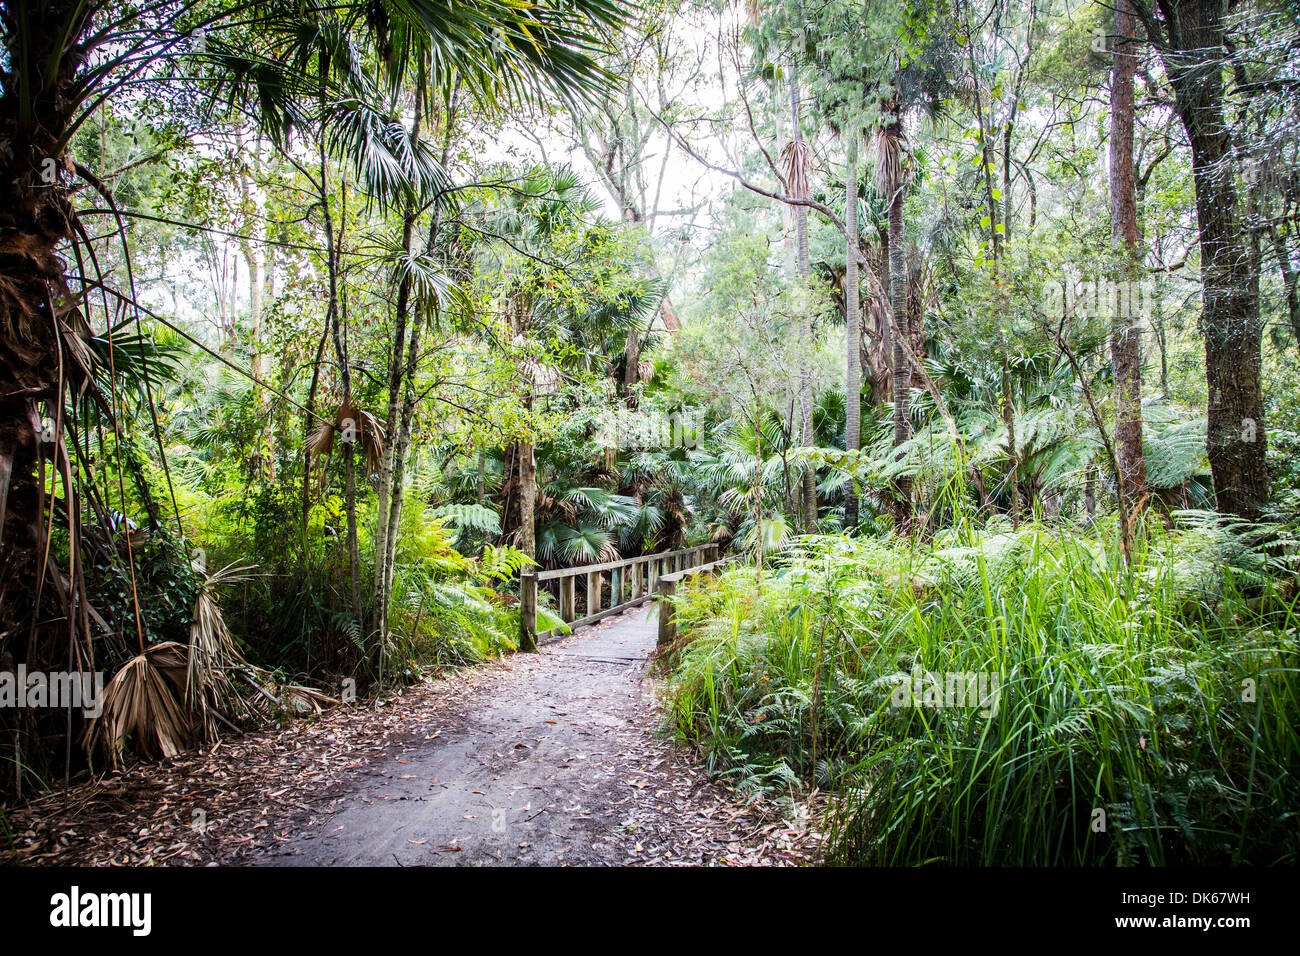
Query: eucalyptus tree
[[630, 153], [780, 43], [1193, 40], [873, 65]]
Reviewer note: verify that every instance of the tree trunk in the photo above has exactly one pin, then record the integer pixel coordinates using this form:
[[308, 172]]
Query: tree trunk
[[401, 453], [852, 317], [1193, 57], [1158, 326], [809, 477], [396, 367], [1289, 284], [1013, 454], [1125, 335], [901, 333], [333, 311]]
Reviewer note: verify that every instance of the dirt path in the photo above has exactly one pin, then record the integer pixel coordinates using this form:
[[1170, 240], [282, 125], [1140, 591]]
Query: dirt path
[[552, 763], [544, 759]]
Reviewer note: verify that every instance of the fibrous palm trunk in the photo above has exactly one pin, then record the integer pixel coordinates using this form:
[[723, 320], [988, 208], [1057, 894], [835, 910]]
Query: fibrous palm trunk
[[853, 374], [799, 186], [42, 329], [891, 176]]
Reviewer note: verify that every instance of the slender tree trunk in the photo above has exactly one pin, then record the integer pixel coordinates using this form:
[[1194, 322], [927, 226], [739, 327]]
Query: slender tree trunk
[[307, 416], [480, 477], [901, 333], [808, 476], [1013, 453], [1158, 327], [401, 455], [253, 247], [1125, 335], [853, 319], [345, 376], [758, 497], [388, 499]]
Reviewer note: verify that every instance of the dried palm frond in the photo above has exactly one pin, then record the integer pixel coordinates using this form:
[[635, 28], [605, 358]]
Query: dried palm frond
[[273, 699], [889, 147], [540, 374], [170, 697], [212, 650], [796, 162], [350, 424], [143, 704]]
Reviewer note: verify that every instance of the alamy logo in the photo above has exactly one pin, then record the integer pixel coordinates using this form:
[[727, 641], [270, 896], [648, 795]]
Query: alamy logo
[[642, 430], [951, 689], [1099, 297], [64, 690], [75, 909]]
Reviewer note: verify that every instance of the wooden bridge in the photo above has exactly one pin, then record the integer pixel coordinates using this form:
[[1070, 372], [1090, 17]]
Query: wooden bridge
[[610, 588]]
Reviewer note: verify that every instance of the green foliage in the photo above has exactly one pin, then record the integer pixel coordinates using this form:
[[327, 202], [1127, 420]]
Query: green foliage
[[1165, 693]]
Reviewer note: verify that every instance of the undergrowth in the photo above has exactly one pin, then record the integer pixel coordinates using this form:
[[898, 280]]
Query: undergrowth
[[1145, 712]]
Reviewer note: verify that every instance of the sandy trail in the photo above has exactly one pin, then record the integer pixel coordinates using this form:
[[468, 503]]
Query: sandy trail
[[552, 762], [537, 759]]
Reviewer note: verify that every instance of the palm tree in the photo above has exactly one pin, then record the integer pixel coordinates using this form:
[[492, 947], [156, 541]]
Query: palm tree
[[891, 181], [797, 161], [528, 227], [289, 66], [853, 318]]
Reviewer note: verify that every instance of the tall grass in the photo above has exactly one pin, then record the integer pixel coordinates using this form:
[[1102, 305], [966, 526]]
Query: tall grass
[[1147, 712]]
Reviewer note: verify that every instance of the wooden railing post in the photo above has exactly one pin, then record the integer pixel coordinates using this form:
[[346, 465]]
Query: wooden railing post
[[616, 587], [667, 626], [528, 611], [593, 592], [568, 605]]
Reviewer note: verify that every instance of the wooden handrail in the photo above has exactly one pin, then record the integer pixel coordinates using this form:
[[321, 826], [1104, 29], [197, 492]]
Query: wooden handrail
[[553, 573], [639, 577], [668, 587]]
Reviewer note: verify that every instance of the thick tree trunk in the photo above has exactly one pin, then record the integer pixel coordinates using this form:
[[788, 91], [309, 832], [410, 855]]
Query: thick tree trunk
[[853, 317], [1125, 335], [1193, 54], [40, 320]]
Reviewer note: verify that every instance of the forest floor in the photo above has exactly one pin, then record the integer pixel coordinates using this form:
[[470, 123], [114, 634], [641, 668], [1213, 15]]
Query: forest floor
[[540, 759]]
